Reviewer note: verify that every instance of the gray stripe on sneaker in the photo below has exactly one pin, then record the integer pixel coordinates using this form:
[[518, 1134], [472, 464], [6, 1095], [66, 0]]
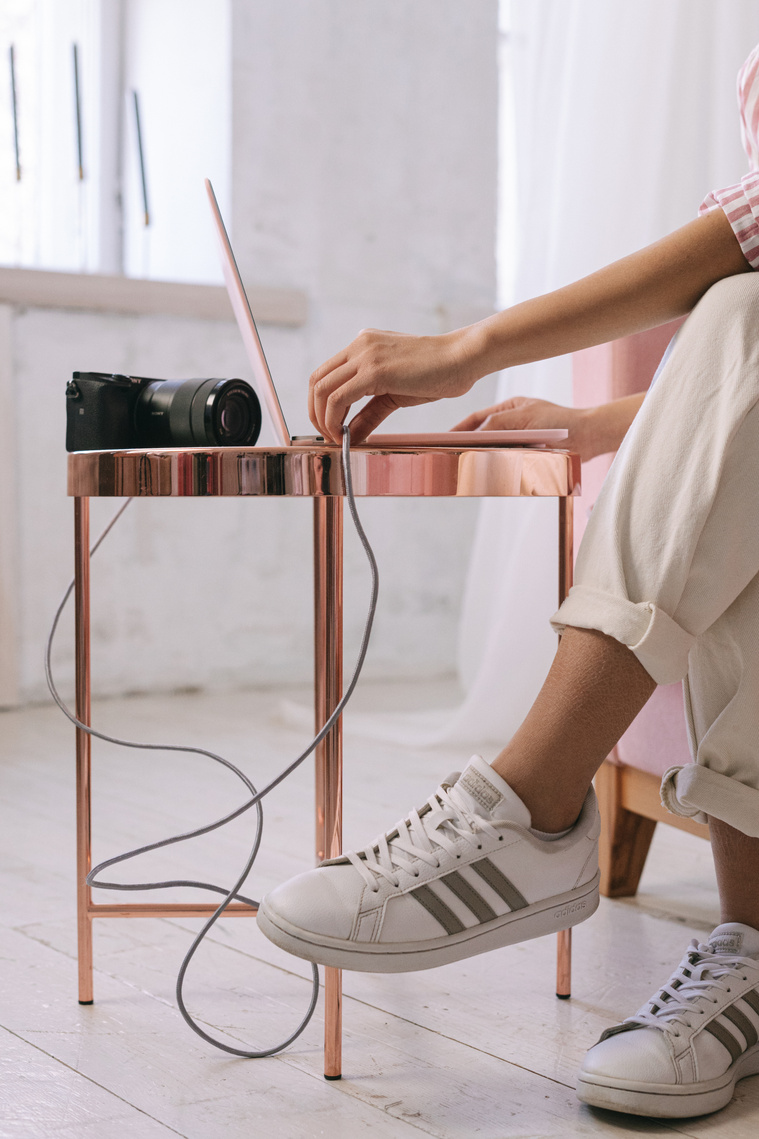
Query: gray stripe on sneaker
[[742, 1023], [467, 894], [725, 1038], [752, 1000], [625, 1026], [500, 883], [437, 907]]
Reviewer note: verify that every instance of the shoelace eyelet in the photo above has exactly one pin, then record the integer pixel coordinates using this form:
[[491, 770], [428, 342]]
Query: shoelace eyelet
[[500, 838]]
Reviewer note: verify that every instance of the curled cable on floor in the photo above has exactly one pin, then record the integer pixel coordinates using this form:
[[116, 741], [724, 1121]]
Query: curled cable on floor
[[233, 893]]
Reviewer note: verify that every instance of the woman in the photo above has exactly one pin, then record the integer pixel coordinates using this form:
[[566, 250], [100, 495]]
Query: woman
[[666, 588]]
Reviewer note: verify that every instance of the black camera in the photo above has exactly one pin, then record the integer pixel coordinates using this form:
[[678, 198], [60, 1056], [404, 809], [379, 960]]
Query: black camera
[[114, 412]]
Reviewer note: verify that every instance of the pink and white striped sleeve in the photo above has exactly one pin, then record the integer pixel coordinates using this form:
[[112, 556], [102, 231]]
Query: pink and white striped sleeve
[[741, 202], [741, 206]]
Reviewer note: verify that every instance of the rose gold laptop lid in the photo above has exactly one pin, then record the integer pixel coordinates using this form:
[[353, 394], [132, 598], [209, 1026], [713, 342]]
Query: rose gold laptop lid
[[247, 325], [536, 436], [265, 384]]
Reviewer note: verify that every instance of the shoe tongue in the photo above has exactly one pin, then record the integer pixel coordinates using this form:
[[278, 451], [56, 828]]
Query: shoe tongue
[[482, 792], [735, 940]]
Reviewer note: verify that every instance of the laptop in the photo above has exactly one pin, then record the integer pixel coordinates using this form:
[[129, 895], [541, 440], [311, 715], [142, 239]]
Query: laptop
[[267, 392]]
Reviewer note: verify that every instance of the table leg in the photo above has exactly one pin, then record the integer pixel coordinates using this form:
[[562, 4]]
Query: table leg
[[566, 566], [328, 674], [83, 745]]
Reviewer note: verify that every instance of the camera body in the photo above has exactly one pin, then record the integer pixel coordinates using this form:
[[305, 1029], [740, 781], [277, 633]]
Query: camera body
[[116, 412]]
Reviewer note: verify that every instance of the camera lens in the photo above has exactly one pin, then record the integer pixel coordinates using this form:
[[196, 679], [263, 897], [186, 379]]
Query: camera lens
[[198, 413], [235, 417]]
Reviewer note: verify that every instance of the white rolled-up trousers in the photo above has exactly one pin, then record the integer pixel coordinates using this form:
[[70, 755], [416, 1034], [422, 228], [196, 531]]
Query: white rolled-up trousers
[[669, 562]]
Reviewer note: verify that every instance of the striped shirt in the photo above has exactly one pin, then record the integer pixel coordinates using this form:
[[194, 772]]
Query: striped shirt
[[741, 202]]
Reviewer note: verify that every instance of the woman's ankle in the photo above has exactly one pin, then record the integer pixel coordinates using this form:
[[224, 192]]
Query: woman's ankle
[[553, 805]]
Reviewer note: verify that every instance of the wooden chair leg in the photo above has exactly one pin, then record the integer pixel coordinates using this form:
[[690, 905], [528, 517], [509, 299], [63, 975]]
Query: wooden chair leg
[[625, 837]]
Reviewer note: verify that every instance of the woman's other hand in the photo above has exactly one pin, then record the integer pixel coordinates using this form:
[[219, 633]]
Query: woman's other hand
[[396, 370], [520, 413], [592, 430]]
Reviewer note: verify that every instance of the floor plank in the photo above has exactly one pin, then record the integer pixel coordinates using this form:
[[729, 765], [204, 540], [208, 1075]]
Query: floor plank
[[399, 1078], [41, 1097]]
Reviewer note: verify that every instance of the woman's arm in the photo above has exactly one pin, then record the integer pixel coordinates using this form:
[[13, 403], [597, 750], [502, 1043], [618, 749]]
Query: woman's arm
[[592, 430], [610, 422], [650, 287]]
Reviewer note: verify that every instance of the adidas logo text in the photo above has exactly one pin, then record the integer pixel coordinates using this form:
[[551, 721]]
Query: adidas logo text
[[567, 910]]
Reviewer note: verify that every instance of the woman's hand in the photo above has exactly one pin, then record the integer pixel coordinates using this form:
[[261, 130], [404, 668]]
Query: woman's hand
[[592, 430], [520, 413], [396, 370]]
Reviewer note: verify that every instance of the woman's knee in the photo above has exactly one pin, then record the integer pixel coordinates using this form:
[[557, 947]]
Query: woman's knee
[[730, 305]]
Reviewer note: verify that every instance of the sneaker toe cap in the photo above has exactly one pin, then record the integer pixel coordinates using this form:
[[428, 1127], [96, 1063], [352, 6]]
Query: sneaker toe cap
[[642, 1055], [322, 901]]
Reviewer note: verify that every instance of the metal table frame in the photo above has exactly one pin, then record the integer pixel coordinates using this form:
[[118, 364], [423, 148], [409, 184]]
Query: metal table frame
[[311, 472]]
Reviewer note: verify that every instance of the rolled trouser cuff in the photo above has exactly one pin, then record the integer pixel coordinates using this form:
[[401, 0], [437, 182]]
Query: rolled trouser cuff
[[659, 643], [696, 792]]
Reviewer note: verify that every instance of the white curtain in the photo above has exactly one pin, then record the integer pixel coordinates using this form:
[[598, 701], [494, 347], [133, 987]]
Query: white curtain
[[625, 116]]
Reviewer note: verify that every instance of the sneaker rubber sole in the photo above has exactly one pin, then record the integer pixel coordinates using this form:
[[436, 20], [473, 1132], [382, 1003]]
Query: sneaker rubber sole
[[667, 1101], [547, 916]]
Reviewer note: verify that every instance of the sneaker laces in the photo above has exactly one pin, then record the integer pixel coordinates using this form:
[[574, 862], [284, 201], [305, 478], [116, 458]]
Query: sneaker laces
[[440, 825], [690, 987]]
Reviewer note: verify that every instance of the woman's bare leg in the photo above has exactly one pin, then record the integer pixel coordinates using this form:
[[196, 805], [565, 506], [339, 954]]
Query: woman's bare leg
[[736, 860], [593, 692]]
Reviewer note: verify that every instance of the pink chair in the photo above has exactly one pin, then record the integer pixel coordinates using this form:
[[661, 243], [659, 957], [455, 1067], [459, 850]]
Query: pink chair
[[627, 784]]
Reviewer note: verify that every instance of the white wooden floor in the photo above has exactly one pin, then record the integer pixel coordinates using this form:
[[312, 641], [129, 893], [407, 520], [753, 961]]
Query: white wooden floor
[[482, 1048]]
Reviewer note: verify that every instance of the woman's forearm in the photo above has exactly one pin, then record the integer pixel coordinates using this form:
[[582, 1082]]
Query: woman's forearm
[[648, 288], [605, 426]]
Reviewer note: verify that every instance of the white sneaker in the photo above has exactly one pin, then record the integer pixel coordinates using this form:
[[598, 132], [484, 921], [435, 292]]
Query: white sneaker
[[460, 876], [684, 1051]]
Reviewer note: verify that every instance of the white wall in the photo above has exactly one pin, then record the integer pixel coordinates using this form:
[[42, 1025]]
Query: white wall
[[364, 164], [364, 158]]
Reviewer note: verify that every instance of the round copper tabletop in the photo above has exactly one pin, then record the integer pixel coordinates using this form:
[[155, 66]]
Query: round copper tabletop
[[315, 470]]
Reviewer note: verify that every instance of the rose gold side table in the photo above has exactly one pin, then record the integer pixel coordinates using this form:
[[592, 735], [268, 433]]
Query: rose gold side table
[[314, 472]]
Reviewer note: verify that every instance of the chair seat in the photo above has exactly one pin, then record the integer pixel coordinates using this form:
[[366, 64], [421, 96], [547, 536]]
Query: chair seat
[[658, 737]]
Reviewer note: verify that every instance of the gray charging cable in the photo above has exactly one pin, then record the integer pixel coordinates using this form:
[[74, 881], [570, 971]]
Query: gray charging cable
[[255, 796]]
